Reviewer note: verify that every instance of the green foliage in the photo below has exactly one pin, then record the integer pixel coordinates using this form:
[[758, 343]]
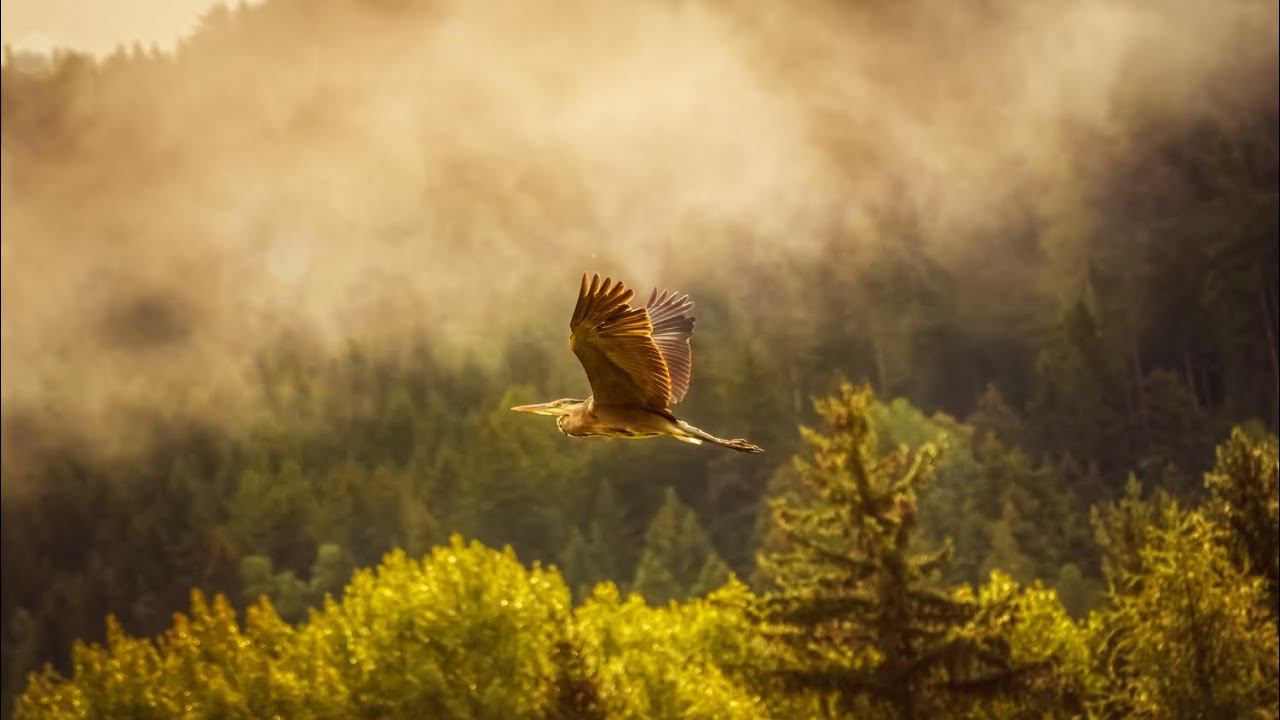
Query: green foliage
[[1244, 488], [994, 417], [517, 494], [266, 509], [465, 633], [1078, 593], [204, 666], [593, 558], [680, 661], [1188, 634], [1042, 637], [678, 560], [291, 595], [853, 617], [1170, 433], [1004, 552], [1125, 527]]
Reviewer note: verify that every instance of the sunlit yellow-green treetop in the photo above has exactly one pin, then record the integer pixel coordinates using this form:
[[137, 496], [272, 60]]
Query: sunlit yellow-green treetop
[[466, 632]]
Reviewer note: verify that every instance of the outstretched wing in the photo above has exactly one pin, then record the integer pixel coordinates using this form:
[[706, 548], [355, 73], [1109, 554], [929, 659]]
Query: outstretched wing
[[615, 344], [672, 320]]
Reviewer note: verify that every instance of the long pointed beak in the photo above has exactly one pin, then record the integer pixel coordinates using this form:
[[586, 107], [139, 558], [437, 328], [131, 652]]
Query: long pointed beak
[[540, 409]]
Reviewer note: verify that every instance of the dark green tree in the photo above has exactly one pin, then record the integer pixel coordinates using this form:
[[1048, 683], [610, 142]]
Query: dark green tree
[[1171, 433], [1076, 404], [994, 416], [1123, 528], [854, 615], [1003, 551], [273, 514], [1244, 489], [676, 553], [329, 572]]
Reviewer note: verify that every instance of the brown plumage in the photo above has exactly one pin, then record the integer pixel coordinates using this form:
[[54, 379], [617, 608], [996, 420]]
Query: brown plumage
[[639, 363]]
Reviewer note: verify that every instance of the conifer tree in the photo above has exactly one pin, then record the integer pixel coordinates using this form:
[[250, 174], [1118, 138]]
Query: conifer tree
[[655, 576], [585, 561], [1124, 527], [1188, 635], [853, 615], [714, 574], [1004, 553], [994, 417], [1075, 402], [607, 532], [329, 572], [676, 551], [257, 578], [1244, 489], [574, 566]]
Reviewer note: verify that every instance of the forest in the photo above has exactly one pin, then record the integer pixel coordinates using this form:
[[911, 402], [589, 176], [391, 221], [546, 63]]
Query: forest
[[995, 289]]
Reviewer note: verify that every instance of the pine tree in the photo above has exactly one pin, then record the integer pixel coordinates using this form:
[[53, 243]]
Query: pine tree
[[329, 572], [713, 576], [1123, 528], [1172, 432], [1004, 553], [257, 578], [655, 578], [585, 561], [609, 538], [854, 615], [1244, 488], [274, 515], [1189, 635], [676, 551], [1074, 405], [993, 416], [574, 566]]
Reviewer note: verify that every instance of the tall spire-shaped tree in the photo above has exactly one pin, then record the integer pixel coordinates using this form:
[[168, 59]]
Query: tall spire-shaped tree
[[676, 556], [853, 614]]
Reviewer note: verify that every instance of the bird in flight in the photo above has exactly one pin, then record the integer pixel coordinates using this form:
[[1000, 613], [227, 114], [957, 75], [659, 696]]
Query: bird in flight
[[638, 362]]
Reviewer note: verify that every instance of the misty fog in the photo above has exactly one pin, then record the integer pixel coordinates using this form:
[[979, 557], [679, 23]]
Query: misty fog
[[456, 175]]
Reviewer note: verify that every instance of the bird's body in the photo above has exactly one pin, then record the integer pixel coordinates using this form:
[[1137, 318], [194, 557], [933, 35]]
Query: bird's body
[[624, 421], [639, 364]]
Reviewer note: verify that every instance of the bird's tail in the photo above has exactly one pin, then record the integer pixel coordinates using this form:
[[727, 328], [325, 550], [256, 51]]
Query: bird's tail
[[697, 437]]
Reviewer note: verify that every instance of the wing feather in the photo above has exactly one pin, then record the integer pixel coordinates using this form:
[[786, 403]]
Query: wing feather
[[672, 319], [614, 342]]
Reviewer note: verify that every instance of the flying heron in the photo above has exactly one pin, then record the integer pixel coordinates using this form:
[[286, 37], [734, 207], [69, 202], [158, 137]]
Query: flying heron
[[638, 362]]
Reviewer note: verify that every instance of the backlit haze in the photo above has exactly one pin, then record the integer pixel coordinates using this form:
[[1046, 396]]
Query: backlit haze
[[97, 27], [454, 170]]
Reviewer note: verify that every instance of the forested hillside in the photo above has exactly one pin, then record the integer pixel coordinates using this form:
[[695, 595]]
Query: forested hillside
[[268, 299]]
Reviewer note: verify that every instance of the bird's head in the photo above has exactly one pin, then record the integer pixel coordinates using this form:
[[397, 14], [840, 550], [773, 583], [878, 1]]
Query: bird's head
[[555, 407]]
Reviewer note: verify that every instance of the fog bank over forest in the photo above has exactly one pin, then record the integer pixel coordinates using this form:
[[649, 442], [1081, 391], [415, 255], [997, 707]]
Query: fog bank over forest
[[382, 169]]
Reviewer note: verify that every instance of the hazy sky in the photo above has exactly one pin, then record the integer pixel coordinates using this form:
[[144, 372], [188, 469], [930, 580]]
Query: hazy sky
[[349, 179], [96, 25]]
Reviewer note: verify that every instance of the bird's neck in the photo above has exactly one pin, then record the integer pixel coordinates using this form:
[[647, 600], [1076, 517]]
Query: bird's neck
[[573, 421]]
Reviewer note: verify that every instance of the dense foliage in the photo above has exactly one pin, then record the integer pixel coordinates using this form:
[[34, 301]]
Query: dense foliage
[[852, 608], [853, 625], [1044, 543], [466, 632]]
